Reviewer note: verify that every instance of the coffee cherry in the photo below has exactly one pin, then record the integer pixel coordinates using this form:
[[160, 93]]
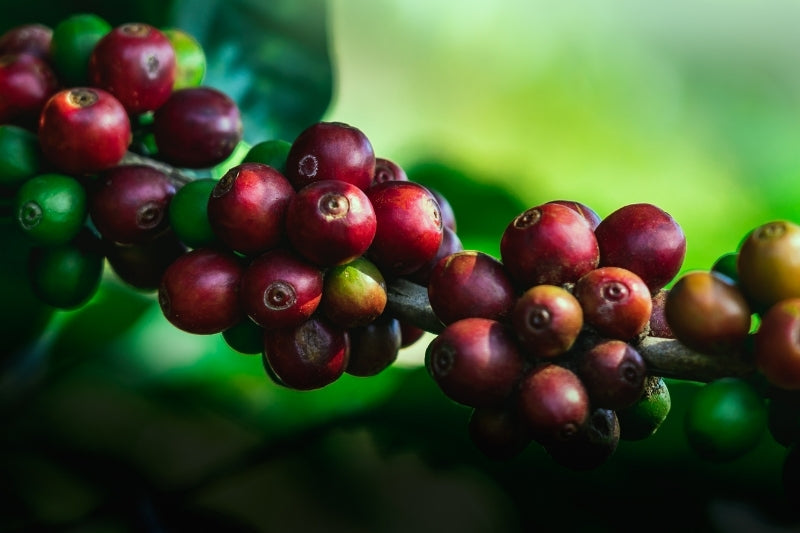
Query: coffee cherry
[[245, 337], [587, 212], [72, 43], [272, 152], [33, 39], [777, 353], [20, 155], [410, 334], [498, 432], [388, 170], [66, 276], [330, 222], [450, 244], [136, 63], [373, 347], [644, 239], [409, 227], [84, 130], [615, 302], [549, 244], [280, 289], [199, 292], [553, 402], [309, 355], [197, 127], [726, 265], [188, 213], [707, 313], [768, 263], [247, 208], [593, 445], [354, 294], [659, 327], [190, 58], [26, 83], [142, 265], [725, 419], [547, 320], [613, 373], [475, 362], [331, 151], [51, 208], [470, 284], [446, 209], [129, 204], [645, 416]]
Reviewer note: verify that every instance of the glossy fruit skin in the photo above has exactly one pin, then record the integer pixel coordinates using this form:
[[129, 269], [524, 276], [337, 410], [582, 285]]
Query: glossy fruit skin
[[768, 263], [615, 301], [136, 63], [470, 283], [409, 227], [279, 289], [197, 127], [20, 156], [353, 294], [51, 208], [547, 320], [373, 347], [446, 210], [32, 38], [613, 373], [451, 243], [388, 170], [247, 208], [188, 213], [587, 212], [707, 313], [272, 152], [645, 416], [129, 204], [725, 419], [498, 433], [67, 275], [475, 362], [71, 45], [593, 445], [330, 222], [331, 151], [190, 58], [142, 265], [777, 352], [548, 244], [26, 83], [199, 292], [644, 239], [308, 356], [553, 402], [84, 130]]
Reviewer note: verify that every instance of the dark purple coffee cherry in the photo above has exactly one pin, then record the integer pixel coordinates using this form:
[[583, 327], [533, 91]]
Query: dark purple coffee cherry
[[309, 355], [451, 243], [31, 38], [410, 334], [353, 294], [470, 283], [409, 227], [553, 402], [330, 222], [280, 289], [199, 292], [388, 170], [374, 347], [247, 208], [143, 265], [129, 204], [613, 373], [197, 127], [549, 244], [498, 433], [587, 212], [547, 319], [644, 239], [593, 445], [26, 83], [475, 362], [331, 151], [615, 302]]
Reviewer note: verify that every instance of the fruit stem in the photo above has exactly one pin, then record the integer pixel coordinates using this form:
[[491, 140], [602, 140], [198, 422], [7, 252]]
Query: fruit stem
[[178, 176], [664, 357]]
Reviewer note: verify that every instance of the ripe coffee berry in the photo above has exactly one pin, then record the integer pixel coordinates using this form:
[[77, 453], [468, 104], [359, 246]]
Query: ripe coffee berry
[[129, 203], [587, 212], [26, 83], [615, 301], [247, 208], [409, 226], [331, 151], [142, 265], [84, 130], [550, 244], [136, 63], [547, 319], [777, 354], [199, 292], [330, 222], [33, 39], [613, 373], [373, 347], [197, 127], [450, 244], [388, 170]]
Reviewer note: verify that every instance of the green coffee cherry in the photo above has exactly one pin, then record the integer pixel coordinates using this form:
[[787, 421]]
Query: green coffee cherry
[[246, 337], [726, 265], [643, 418], [20, 155], [51, 208], [190, 59], [354, 294], [272, 153], [72, 43], [188, 213]]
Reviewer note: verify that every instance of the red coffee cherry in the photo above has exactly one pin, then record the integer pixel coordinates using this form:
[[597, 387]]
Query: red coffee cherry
[[33, 39], [547, 319], [615, 301], [777, 353], [587, 212], [613, 373], [26, 83], [388, 170], [374, 347]]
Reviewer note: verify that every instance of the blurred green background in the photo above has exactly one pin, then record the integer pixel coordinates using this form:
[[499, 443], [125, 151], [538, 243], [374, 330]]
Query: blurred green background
[[115, 421]]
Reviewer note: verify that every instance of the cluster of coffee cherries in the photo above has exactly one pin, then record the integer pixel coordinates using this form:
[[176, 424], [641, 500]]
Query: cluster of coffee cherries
[[542, 342]]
